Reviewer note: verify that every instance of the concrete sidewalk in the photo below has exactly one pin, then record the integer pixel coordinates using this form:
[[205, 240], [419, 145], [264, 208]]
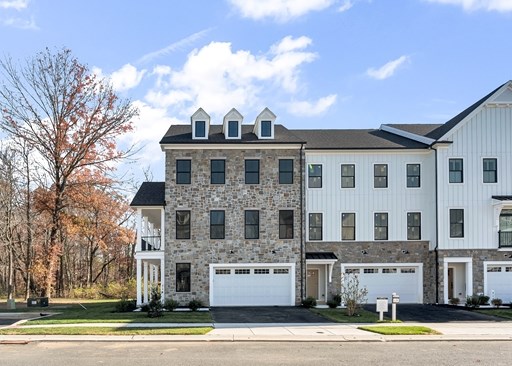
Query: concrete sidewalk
[[320, 332]]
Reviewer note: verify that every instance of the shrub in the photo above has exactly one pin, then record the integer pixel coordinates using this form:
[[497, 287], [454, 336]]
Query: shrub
[[332, 304], [155, 304], [483, 300], [195, 304], [475, 301], [144, 308], [454, 301], [337, 298], [497, 302], [171, 304], [125, 306], [351, 294], [309, 302]]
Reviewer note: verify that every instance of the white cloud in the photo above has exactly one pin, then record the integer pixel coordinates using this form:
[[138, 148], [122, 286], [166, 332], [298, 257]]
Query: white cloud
[[20, 23], [347, 5], [309, 109], [472, 5], [279, 10], [127, 77], [14, 4], [388, 69], [217, 78]]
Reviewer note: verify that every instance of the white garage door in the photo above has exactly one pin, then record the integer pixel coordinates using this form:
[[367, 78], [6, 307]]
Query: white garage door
[[252, 285], [382, 281], [499, 278]]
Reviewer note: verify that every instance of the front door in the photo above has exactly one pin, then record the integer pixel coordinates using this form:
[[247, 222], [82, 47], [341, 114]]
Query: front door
[[450, 283], [312, 283]]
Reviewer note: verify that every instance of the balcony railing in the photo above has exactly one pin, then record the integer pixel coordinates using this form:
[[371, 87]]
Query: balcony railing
[[150, 243], [505, 239]]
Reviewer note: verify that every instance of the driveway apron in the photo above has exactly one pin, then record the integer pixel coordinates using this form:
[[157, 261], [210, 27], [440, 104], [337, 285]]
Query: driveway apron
[[265, 314]]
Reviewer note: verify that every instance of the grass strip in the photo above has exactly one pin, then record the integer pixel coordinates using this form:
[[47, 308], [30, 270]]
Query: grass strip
[[399, 330], [105, 331], [501, 313], [340, 316]]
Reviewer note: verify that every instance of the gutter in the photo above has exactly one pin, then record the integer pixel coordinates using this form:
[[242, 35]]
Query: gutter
[[302, 244], [436, 249]]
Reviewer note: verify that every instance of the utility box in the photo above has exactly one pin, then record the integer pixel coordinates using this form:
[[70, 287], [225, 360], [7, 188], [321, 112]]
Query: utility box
[[382, 304], [40, 302]]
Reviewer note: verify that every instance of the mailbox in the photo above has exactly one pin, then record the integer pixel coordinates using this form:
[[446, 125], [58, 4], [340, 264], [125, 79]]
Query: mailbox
[[395, 299], [382, 304]]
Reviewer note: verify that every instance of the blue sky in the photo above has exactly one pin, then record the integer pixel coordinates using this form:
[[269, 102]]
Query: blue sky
[[314, 63]]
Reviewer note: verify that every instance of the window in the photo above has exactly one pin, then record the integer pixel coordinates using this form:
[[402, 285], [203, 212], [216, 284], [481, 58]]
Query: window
[[285, 171], [413, 175], [218, 172], [232, 128], [381, 226], [217, 224], [408, 270], [455, 171], [315, 226], [413, 226], [370, 270], [261, 271], [183, 168], [252, 172], [389, 270], [490, 170], [352, 270], [314, 176], [200, 129], [348, 226], [182, 277], [243, 271], [380, 176], [456, 223], [266, 129], [182, 224], [222, 271], [281, 271], [493, 269], [348, 176], [286, 224], [252, 224]]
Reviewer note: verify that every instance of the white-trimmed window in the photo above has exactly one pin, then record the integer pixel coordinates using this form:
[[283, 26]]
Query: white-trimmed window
[[490, 170], [456, 170]]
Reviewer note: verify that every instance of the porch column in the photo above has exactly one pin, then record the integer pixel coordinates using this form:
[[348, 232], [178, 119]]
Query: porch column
[[138, 245], [146, 282], [162, 280], [139, 284], [162, 230]]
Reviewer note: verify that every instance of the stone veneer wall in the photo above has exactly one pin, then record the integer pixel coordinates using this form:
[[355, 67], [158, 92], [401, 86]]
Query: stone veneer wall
[[234, 197], [479, 257], [379, 252]]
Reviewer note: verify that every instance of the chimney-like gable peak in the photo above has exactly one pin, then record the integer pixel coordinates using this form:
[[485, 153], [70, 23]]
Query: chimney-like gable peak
[[232, 125], [264, 125], [200, 122]]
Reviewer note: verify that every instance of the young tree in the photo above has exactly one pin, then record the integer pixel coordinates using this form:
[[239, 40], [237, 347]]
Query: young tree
[[70, 118]]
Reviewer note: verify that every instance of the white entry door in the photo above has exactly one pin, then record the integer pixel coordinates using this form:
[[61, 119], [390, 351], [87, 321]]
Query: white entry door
[[382, 281], [252, 285]]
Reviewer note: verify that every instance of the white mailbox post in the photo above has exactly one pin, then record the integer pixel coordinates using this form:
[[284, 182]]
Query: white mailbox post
[[382, 307], [395, 299]]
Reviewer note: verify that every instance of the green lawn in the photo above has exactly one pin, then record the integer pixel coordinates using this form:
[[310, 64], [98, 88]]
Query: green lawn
[[340, 316], [399, 330], [101, 311], [501, 312], [104, 331]]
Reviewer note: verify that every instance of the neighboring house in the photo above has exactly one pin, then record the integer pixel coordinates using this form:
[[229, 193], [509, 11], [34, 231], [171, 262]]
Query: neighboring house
[[262, 215]]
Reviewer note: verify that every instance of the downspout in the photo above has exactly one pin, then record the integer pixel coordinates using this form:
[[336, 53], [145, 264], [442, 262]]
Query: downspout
[[436, 249], [302, 244]]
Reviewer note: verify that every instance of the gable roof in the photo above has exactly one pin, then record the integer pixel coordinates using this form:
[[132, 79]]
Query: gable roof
[[355, 140], [182, 134], [150, 194], [422, 129]]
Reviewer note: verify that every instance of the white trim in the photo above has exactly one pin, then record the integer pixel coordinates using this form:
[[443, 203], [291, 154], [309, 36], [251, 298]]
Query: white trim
[[407, 226], [373, 220], [372, 174], [469, 274], [307, 175], [307, 226], [367, 151], [214, 266], [406, 176], [328, 262], [344, 189], [406, 134], [232, 146], [340, 231], [482, 171]]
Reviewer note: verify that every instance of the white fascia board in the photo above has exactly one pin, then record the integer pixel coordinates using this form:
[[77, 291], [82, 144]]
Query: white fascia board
[[229, 146], [409, 135], [368, 151]]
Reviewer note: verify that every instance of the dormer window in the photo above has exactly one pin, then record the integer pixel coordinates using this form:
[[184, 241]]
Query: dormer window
[[233, 129], [266, 128], [264, 125], [200, 129], [200, 122]]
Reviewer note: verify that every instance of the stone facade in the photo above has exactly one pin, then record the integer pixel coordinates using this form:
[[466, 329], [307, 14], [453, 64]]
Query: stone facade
[[234, 197], [379, 252]]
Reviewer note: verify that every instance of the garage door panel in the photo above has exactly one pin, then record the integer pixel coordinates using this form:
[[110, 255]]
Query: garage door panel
[[499, 279], [252, 286]]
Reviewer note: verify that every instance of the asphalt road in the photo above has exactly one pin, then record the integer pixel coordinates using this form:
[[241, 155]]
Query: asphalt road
[[256, 353]]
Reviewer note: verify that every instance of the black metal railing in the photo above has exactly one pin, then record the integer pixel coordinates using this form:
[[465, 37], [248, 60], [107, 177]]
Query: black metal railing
[[150, 243], [505, 239]]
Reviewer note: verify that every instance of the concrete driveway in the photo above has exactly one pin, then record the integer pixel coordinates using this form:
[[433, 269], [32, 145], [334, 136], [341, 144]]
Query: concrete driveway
[[434, 314], [265, 314]]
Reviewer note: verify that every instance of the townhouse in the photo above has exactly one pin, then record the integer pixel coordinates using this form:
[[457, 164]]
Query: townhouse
[[258, 214]]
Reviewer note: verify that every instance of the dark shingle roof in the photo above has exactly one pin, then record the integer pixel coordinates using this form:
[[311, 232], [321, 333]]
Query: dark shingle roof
[[355, 139], [416, 128], [182, 134], [150, 194], [502, 198], [320, 255]]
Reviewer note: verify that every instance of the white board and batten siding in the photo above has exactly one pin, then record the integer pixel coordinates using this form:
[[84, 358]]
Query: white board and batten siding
[[486, 134], [364, 200], [252, 284]]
